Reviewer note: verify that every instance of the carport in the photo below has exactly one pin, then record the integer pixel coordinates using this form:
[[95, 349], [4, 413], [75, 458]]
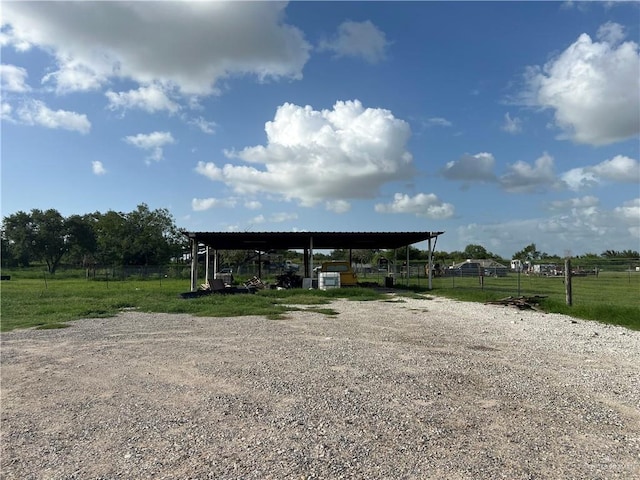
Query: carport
[[263, 242]]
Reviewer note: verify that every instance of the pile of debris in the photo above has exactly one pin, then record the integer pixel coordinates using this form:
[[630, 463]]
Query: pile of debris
[[522, 303]]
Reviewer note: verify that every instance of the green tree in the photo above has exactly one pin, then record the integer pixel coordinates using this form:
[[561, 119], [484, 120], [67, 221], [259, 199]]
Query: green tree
[[530, 252], [152, 237], [110, 230], [19, 235], [38, 235], [476, 252], [82, 239], [6, 253]]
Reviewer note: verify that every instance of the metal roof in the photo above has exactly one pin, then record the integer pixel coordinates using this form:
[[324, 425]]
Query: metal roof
[[265, 241]]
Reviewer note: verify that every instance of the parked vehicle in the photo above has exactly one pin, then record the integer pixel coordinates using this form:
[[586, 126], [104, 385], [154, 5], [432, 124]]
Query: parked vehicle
[[348, 277]]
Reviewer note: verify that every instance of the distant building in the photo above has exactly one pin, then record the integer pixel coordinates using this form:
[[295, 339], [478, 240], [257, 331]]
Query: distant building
[[476, 268]]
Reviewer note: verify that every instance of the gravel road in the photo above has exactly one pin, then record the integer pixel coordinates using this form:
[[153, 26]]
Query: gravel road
[[399, 389]]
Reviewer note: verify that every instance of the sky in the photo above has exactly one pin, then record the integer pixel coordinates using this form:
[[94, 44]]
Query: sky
[[499, 123]]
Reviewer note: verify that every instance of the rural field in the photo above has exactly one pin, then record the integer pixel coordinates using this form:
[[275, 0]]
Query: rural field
[[344, 383], [381, 385], [36, 299]]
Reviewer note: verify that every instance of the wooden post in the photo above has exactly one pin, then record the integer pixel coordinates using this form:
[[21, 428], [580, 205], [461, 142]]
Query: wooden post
[[194, 265], [567, 281]]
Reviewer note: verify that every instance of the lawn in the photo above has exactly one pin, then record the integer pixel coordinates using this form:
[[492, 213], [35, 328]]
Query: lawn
[[611, 297], [51, 301]]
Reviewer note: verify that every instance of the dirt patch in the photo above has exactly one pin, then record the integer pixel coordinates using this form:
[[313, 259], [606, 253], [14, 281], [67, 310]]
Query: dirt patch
[[419, 389]]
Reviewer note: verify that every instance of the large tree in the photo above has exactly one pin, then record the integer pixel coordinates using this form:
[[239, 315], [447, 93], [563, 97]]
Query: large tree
[[38, 235], [18, 236], [141, 237]]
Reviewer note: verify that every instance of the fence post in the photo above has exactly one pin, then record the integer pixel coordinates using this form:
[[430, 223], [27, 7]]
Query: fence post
[[567, 281]]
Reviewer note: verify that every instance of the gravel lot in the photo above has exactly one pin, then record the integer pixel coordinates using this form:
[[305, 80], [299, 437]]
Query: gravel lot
[[411, 389]]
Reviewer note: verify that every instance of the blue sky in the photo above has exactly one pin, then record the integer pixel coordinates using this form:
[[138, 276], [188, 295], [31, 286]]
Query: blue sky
[[500, 123]]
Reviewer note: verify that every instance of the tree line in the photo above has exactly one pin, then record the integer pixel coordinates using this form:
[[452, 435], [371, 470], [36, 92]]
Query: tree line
[[140, 237], [147, 237]]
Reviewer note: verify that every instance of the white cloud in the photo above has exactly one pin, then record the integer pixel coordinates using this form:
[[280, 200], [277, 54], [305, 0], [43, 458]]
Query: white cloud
[[629, 213], [98, 168], [35, 112], [582, 226], [437, 122], [338, 206], [587, 201], [13, 79], [579, 179], [358, 39], [512, 125], [252, 205], [204, 125], [282, 217], [209, 170], [620, 168], [186, 45], [278, 217], [422, 205], [478, 167], [150, 98], [593, 88], [201, 204], [525, 178], [153, 141], [612, 33], [311, 156], [5, 112], [259, 219]]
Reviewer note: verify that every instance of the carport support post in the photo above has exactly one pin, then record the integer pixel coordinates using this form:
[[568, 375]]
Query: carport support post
[[311, 259], [430, 261], [194, 264], [215, 262], [207, 264], [408, 265]]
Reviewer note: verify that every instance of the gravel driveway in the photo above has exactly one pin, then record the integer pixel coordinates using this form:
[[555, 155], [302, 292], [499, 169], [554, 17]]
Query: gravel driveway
[[407, 389]]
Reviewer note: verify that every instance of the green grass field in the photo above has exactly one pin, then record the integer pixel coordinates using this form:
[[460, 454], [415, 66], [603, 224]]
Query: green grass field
[[611, 297], [51, 301]]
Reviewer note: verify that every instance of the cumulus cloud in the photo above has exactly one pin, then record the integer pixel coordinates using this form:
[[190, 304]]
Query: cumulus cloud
[[98, 168], [421, 205], [523, 177], [473, 168], [358, 39], [186, 45], [579, 179], [630, 213], [150, 98], [512, 125], [153, 141], [580, 225], [620, 169], [338, 206], [278, 217], [588, 201], [36, 112], [593, 88], [5, 112], [13, 79], [201, 204], [311, 156]]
